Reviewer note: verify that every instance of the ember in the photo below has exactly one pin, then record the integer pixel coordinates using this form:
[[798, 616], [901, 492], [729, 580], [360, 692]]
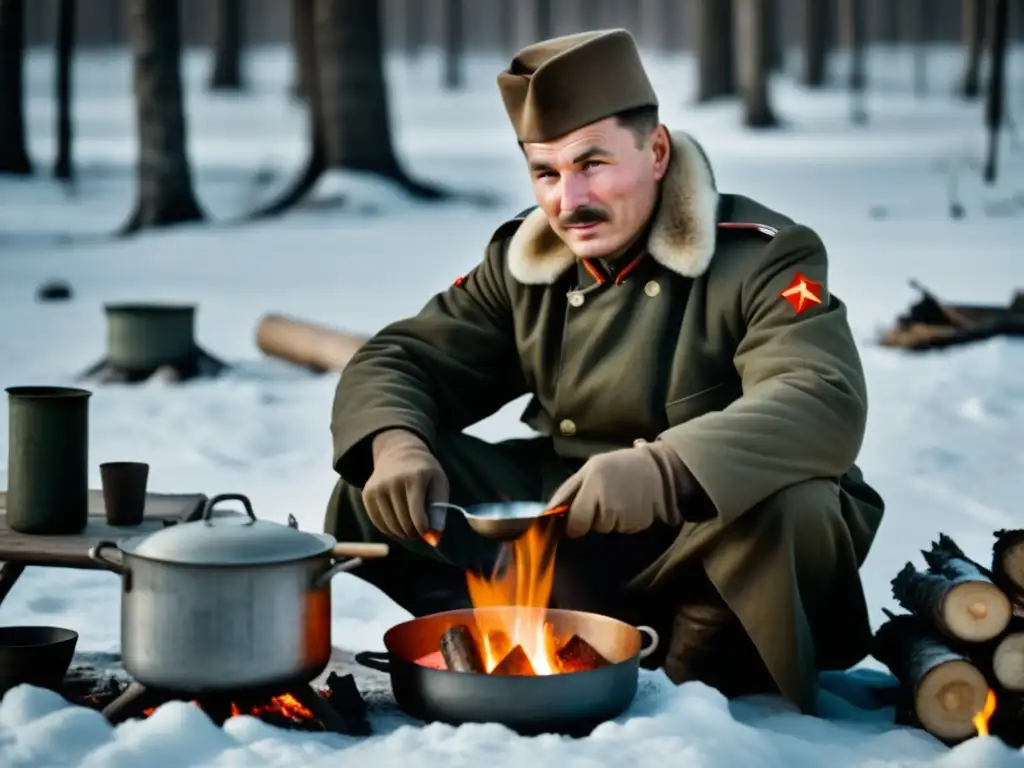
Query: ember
[[286, 706]]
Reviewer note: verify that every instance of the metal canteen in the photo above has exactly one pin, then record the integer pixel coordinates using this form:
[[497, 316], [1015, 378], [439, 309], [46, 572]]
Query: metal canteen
[[227, 602]]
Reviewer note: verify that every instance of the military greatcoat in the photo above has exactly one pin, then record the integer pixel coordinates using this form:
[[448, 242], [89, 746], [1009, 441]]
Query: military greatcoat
[[693, 344]]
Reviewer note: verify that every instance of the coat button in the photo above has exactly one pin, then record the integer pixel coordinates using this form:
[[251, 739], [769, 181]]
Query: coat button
[[652, 289], [567, 427], [638, 442], [576, 299]]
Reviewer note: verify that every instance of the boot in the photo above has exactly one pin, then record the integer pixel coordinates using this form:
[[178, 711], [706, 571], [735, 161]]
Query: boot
[[709, 644]]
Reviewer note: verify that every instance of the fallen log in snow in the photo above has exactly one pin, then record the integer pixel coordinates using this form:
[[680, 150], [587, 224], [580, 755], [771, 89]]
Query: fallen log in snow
[[306, 344]]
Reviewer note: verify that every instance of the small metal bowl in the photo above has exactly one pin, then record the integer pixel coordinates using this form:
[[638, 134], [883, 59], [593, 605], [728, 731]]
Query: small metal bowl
[[502, 520]]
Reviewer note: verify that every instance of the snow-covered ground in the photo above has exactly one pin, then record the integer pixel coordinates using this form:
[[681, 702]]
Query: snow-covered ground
[[942, 445]]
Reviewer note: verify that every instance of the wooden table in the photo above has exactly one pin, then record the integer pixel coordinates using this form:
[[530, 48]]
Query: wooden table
[[18, 550]]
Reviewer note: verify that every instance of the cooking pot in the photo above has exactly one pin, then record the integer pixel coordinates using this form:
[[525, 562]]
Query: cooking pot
[[572, 703], [227, 602]]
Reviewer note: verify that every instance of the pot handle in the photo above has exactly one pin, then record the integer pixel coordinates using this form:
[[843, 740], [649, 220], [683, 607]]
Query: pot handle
[[651, 646], [97, 556], [322, 579], [215, 500], [378, 660]]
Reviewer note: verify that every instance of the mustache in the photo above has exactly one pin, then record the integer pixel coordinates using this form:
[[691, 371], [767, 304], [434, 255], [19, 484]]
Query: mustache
[[583, 215]]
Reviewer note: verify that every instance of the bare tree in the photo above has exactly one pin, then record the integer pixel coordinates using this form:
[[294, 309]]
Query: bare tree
[[302, 45], [165, 195], [414, 28], [506, 17], [918, 23], [752, 41], [773, 29], [814, 34], [973, 29], [543, 19], [713, 42], [998, 24], [454, 45], [14, 157], [63, 167], [308, 74], [852, 25], [228, 44]]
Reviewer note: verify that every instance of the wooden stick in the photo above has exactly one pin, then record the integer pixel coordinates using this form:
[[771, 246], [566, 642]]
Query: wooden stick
[[460, 651], [1008, 565], [943, 688], [515, 663], [364, 549], [302, 343], [577, 655], [956, 594]]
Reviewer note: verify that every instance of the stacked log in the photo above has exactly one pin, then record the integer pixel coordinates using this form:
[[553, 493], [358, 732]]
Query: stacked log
[[958, 651]]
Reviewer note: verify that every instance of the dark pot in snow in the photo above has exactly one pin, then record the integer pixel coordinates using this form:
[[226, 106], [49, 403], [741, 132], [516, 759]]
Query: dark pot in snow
[[48, 460], [143, 337]]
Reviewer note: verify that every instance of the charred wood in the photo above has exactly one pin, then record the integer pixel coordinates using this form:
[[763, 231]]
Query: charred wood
[[577, 655], [515, 663], [460, 650]]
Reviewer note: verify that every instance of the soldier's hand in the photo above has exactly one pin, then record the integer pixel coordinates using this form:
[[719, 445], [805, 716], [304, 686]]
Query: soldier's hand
[[622, 491], [406, 479]]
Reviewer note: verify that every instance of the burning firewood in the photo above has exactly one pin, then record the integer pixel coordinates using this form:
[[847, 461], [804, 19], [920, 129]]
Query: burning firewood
[[498, 643], [577, 655], [943, 689], [1008, 565], [460, 650], [516, 662], [955, 594]]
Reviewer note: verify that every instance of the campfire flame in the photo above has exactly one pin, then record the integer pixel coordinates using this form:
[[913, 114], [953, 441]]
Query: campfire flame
[[526, 583], [982, 718]]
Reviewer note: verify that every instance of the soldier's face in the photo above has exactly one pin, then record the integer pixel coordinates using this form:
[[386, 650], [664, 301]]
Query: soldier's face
[[597, 186]]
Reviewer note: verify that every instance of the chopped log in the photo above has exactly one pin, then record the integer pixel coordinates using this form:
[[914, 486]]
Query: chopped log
[[944, 690], [460, 650], [1008, 565], [1008, 662], [577, 655], [305, 344], [515, 663], [955, 594]]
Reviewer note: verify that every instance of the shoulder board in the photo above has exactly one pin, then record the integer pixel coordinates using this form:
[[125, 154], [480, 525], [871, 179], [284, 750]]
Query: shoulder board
[[507, 228], [750, 226]]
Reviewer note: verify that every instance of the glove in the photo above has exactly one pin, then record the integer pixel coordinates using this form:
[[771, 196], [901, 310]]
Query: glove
[[625, 491], [406, 479]]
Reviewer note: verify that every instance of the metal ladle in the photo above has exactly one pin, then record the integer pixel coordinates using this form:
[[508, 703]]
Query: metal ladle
[[499, 521]]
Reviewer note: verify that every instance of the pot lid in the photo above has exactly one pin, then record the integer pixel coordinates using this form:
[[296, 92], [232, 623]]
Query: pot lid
[[228, 540]]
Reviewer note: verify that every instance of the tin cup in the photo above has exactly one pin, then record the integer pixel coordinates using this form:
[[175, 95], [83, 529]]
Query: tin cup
[[124, 491]]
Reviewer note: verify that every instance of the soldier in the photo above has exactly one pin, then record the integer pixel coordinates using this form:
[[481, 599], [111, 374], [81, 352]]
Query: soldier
[[698, 393]]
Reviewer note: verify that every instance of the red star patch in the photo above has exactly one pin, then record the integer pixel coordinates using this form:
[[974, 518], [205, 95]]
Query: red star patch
[[459, 281], [803, 293]]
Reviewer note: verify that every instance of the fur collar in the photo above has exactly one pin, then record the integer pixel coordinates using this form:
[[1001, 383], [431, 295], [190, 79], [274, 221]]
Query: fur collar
[[682, 236]]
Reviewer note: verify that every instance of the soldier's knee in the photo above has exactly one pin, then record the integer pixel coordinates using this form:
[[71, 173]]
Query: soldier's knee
[[806, 516]]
